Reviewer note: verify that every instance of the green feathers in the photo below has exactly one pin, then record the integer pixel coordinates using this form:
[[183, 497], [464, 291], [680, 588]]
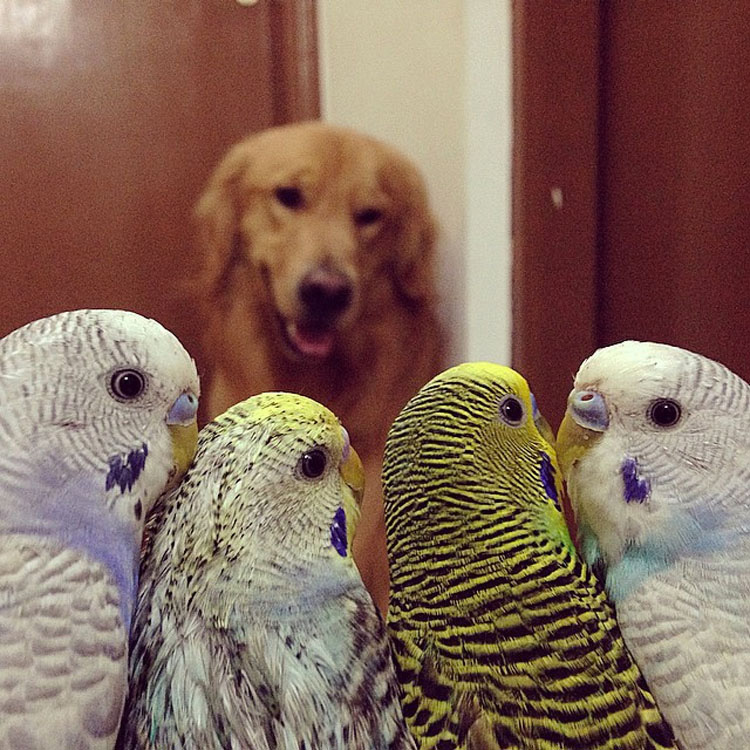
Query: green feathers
[[502, 637]]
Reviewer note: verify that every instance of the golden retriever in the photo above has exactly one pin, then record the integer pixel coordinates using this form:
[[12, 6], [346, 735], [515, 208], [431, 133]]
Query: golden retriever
[[317, 260]]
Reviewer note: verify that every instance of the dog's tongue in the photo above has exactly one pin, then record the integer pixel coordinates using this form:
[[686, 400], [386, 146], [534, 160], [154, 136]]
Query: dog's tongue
[[310, 340]]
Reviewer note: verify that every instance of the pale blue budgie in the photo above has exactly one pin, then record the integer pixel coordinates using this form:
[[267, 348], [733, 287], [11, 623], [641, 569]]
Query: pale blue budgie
[[97, 418], [253, 628], [655, 446]]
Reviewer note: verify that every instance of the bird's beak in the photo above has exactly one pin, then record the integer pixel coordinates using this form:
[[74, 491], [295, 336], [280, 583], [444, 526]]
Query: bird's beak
[[353, 473], [544, 429], [542, 425], [585, 420], [183, 427]]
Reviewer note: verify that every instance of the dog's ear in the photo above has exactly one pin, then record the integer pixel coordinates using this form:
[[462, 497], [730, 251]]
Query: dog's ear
[[217, 216], [413, 260]]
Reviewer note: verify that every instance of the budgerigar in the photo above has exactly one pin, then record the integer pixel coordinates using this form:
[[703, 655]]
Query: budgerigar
[[656, 448], [501, 635], [253, 628], [97, 418]]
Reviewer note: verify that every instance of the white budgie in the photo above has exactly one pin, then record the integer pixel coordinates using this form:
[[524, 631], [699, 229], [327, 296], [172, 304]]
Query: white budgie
[[97, 418], [655, 446]]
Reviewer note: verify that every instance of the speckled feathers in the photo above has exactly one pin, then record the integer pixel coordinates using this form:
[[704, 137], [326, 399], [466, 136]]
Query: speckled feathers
[[253, 626]]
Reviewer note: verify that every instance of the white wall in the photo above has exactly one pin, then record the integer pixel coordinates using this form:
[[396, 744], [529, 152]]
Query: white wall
[[433, 77]]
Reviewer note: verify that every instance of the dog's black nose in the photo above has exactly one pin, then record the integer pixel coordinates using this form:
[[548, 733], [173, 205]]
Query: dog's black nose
[[325, 294]]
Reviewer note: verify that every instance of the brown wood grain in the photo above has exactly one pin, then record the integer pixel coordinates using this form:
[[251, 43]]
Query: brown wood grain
[[294, 34]]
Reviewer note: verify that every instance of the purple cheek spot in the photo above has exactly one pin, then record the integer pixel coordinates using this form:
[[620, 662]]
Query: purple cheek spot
[[637, 488], [123, 472], [338, 532], [547, 475]]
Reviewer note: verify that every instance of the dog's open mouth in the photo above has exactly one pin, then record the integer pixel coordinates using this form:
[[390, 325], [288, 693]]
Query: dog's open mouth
[[312, 340]]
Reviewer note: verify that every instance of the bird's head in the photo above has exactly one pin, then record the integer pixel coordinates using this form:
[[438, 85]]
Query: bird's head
[[652, 444], [469, 450], [275, 494]]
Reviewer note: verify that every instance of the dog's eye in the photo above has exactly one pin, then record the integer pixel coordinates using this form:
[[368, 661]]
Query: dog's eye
[[368, 216], [291, 197]]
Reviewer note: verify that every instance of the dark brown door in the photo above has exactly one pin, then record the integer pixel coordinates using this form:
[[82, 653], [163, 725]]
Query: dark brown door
[[112, 115], [640, 111]]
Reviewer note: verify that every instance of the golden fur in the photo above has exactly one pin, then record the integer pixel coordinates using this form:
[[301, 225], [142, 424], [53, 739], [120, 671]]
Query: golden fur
[[316, 204]]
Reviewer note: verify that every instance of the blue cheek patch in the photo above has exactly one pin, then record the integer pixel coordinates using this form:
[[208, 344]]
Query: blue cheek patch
[[338, 532], [637, 488], [547, 475], [123, 472]]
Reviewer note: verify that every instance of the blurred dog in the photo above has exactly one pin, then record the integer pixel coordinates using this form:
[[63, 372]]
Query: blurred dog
[[317, 264]]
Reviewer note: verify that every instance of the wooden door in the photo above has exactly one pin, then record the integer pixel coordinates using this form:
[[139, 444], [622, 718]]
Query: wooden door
[[112, 115], [555, 123], [639, 112]]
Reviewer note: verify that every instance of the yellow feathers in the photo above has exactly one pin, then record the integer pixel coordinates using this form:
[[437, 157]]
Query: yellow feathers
[[502, 637]]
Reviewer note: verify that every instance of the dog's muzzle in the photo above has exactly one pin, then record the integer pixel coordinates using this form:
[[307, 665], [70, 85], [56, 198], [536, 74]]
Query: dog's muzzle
[[324, 296]]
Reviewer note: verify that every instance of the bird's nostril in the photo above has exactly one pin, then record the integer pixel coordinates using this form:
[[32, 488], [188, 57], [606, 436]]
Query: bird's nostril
[[325, 296], [589, 409]]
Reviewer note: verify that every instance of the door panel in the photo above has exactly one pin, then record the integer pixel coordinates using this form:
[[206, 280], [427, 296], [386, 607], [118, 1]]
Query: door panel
[[657, 246], [556, 63], [675, 241], [112, 116]]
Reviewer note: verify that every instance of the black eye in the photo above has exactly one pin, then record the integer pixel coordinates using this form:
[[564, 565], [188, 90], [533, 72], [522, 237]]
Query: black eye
[[291, 197], [511, 411], [127, 384], [313, 463], [368, 216], [664, 412]]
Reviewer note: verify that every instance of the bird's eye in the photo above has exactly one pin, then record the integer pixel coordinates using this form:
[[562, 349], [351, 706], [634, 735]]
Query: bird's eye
[[289, 196], [367, 216], [511, 411], [313, 463], [127, 384], [664, 412]]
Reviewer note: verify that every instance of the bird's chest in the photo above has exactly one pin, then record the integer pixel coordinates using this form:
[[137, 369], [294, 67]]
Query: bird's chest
[[39, 578], [693, 600], [313, 664], [63, 643], [290, 684]]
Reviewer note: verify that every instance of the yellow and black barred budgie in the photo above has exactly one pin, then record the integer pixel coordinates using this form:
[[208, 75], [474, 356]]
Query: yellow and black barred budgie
[[502, 636]]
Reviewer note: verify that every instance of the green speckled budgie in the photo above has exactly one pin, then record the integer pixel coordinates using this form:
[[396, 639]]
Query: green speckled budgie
[[253, 628], [655, 445], [97, 418]]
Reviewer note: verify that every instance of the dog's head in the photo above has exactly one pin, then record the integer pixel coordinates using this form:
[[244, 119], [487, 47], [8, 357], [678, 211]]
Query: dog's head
[[333, 222]]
